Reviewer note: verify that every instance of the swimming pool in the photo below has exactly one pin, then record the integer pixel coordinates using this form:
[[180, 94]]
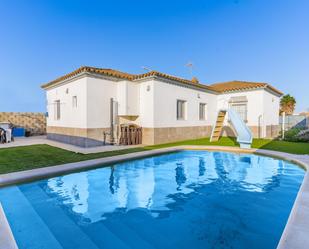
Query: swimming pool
[[186, 199]]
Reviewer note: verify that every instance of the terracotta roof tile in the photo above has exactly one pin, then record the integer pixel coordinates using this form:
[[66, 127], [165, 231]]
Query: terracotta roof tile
[[218, 87], [236, 85], [122, 75]]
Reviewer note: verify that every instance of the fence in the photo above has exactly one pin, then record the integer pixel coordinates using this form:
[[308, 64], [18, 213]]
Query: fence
[[130, 135], [295, 121], [33, 122]]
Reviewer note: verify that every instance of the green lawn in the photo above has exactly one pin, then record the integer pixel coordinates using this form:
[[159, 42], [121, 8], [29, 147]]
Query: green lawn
[[36, 156]]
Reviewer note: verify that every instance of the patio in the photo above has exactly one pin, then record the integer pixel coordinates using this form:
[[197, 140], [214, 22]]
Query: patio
[[26, 141]]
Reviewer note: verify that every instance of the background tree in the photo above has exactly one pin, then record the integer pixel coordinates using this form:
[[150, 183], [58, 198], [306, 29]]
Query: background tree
[[287, 104]]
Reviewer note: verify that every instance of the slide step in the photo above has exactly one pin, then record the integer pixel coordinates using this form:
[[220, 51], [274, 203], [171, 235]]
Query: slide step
[[218, 126]]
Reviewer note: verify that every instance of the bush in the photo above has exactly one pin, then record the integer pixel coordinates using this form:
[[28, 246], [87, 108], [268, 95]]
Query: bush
[[303, 136], [291, 135]]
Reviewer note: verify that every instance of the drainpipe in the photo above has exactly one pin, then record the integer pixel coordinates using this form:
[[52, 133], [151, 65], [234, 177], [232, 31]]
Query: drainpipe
[[283, 124], [259, 128], [112, 120]]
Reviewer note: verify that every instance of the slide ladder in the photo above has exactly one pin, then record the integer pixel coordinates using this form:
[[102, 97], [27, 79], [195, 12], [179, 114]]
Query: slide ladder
[[244, 134], [216, 131]]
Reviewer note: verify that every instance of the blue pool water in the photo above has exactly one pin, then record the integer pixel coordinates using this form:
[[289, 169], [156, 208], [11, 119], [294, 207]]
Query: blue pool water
[[187, 199]]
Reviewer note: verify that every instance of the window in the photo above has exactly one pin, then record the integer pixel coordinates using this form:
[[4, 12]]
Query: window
[[241, 109], [74, 101], [202, 111], [57, 109], [239, 105], [181, 109]]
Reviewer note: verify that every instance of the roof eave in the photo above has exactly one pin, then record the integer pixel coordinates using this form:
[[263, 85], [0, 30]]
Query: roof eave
[[78, 76], [267, 87], [185, 84]]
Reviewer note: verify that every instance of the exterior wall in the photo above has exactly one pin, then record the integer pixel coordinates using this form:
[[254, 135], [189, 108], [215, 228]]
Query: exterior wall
[[77, 136], [271, 104], [272, 131], [254, 104], [173, 134], [158, 112], [146, 103], [31, 121], [99, 93], [263, 112], [82, 125], [151, 104], [128, 98], [69, 116], [165, 108]]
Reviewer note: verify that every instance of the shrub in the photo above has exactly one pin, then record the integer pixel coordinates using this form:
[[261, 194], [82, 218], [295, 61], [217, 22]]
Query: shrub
[[303, 136], [291, 135]]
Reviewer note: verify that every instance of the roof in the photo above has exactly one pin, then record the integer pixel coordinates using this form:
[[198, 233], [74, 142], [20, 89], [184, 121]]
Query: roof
[[229, 86], [236, 85], [125, 76]]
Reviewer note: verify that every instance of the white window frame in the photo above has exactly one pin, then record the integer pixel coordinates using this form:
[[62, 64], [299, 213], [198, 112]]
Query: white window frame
[[202, 109], [181, 109], [57, 109]]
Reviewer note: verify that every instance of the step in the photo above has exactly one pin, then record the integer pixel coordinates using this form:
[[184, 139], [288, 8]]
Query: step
[[62, 226], [146, 227], [29, 230], [128, 235], [104, 237]]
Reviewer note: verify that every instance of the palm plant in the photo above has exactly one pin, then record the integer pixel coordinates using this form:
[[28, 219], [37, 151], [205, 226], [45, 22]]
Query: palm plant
[[287, 104]]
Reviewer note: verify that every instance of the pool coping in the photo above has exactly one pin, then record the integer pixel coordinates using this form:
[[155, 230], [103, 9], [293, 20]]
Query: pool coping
[[7, 240], [295, 234]]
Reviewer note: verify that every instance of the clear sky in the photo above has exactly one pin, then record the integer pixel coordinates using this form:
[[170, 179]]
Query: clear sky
[[252, 40]]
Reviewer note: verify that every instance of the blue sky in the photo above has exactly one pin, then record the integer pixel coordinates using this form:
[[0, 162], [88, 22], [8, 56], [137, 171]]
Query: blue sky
[[253, 40]]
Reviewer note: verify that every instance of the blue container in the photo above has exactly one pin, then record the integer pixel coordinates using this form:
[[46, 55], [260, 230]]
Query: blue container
[[19, 132]]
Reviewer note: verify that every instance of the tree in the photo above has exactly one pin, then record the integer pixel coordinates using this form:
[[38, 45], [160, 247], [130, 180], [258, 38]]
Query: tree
[[287, 104]]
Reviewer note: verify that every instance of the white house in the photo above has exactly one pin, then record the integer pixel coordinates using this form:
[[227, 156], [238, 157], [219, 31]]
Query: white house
[[87, 102]]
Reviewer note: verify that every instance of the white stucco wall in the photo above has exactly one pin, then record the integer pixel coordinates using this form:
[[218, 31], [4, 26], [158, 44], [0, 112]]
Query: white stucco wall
[[70, 117], [93, 103], [271, 106], [152, 102], [99, 93], [262, 106], [128, 98], [165, 96], [146, 103], [255, 104]]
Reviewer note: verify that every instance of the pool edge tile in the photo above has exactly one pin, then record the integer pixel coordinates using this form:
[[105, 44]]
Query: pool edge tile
[[7, 240]]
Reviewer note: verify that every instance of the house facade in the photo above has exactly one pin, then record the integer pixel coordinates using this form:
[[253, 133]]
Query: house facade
[[88, 102]]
